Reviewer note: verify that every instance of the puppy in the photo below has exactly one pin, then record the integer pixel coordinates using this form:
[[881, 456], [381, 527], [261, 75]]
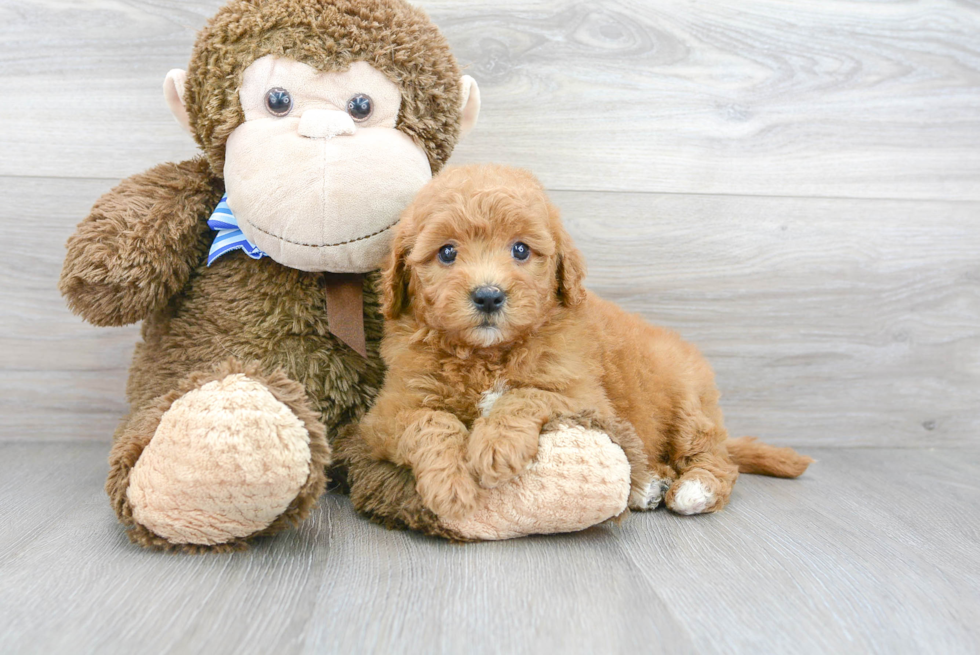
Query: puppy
[[490, 334]]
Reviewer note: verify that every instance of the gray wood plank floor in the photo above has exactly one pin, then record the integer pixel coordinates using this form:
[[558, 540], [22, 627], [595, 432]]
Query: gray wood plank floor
[[873, 551]]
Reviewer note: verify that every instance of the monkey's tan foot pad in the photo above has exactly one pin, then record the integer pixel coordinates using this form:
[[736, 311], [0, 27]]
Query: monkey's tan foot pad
[[579, 478], [226, 460]]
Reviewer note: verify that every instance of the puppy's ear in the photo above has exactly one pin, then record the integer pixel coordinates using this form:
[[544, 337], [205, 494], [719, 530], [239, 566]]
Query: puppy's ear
[[394, 278], [571, 271]]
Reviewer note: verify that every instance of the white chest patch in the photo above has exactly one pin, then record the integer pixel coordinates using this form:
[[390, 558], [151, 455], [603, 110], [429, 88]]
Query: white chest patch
[[489, 397]]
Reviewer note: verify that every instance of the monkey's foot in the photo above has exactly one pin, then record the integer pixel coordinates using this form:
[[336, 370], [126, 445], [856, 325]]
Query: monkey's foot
[[227, 461], [579, 478]]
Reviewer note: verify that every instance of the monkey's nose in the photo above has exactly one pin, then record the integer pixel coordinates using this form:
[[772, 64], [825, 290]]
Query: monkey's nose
[[488, 300], [325, 123]]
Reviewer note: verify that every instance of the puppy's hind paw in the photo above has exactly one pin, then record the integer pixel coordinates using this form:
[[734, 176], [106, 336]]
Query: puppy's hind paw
[[650, 495], [691, 497]]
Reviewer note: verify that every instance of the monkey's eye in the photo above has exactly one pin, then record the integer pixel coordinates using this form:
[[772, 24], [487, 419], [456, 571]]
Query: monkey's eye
[[447, 254], [360, 107], [278, 101], [520, 251]]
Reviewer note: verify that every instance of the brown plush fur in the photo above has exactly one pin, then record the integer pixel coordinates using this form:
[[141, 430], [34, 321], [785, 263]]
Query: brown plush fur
[[133, 435], [385, 492], [140, 242], [140, 254], [555, 347]]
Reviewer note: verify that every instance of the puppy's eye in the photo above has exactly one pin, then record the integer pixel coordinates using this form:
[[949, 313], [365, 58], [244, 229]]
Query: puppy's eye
[[447, 254], [520, 251], [278, 101], [360, 107]]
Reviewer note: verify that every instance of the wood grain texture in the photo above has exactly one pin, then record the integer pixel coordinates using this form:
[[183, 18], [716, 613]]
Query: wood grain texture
[[873, 551], [764, 97], [845, 322], [829, 321], [59, 378]]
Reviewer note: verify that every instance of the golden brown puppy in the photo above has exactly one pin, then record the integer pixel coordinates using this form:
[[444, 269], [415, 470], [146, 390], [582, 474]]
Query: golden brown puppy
[[490, 333]]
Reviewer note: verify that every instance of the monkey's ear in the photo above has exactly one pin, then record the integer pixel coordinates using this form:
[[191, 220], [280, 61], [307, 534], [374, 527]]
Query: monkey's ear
[[469, 104], [173, 93]]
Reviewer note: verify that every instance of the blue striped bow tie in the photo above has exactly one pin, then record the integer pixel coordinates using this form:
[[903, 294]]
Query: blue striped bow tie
[[230, 236]]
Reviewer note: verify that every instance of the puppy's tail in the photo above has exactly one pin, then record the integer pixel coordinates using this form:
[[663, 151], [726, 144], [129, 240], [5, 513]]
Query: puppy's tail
[[754, 456]]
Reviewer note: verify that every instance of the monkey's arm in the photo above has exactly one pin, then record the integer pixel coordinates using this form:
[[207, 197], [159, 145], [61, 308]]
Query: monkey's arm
[[140, 242]]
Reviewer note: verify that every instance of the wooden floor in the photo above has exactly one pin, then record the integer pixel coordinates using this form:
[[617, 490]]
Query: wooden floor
[[874, 550]]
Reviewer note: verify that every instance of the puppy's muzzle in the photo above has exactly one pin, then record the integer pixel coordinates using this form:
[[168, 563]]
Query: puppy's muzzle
[[488, 300]]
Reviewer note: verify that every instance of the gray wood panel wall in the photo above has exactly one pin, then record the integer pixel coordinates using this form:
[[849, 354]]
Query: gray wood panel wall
[[794, 186]]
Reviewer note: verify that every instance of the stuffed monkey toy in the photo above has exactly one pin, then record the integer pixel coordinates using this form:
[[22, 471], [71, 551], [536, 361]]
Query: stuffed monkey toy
[[253, 269]]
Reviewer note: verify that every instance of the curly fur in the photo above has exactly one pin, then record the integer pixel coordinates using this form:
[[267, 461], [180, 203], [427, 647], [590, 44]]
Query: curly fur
[[555, 349], [120, 265]]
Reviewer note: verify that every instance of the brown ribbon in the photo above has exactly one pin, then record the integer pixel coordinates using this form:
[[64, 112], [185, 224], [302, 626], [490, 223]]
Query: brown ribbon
[[345, 308]]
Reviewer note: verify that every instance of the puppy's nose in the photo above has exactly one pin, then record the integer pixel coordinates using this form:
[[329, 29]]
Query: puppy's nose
[[488, 299]]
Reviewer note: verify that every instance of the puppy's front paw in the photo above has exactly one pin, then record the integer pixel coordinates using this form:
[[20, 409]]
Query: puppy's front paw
[[450, 494], [499, 453]]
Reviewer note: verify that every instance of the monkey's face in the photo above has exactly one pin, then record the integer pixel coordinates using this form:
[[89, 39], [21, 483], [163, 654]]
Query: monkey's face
[[318, 175]]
